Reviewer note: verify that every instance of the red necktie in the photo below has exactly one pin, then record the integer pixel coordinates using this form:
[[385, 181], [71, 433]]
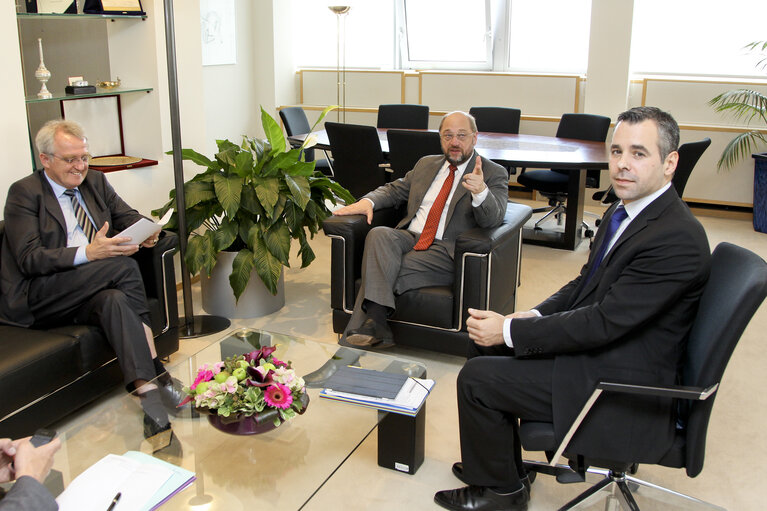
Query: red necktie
[[435, 213]]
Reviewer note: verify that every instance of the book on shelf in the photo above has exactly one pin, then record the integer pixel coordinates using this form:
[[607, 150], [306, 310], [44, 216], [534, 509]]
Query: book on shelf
[[397, 393], [143, 482]]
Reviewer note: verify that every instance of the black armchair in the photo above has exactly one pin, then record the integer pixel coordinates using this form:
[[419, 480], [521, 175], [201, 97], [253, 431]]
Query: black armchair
[[77, 362], [487, 264], [498, 119], [735, 289], [406, 147]]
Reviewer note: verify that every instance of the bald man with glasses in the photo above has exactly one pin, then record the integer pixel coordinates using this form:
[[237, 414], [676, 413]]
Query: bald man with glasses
[[445, 195]]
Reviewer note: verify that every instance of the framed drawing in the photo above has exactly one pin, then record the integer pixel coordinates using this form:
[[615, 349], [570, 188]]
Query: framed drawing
[[218, 32]]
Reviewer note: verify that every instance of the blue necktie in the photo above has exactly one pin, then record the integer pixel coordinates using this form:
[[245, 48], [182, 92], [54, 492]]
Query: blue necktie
[[82, 217], [619, 215]]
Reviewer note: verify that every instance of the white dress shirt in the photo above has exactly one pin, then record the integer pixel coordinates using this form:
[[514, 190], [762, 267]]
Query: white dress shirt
[[75, 235]]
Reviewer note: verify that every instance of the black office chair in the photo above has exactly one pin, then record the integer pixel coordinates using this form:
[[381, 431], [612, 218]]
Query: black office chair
[[403, 116], [356, 157], [496, 119], [552, 184], [296, 123], [735, 289], [689, 154], [407, 147]]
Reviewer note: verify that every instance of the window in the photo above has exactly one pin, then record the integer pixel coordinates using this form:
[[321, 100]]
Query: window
[[368, 28], [697, 37], [453, 34], [549, 35]]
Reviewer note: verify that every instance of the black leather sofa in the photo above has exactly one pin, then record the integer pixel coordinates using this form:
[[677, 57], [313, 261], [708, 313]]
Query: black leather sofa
[[487, 263], [47, 374]]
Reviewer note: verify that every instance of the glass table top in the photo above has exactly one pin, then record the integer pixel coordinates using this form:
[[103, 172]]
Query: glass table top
[[282, 468]]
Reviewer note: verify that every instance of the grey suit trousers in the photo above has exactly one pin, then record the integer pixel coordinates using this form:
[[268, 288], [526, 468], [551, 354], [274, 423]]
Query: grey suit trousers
[[390, 267], [108, 293]]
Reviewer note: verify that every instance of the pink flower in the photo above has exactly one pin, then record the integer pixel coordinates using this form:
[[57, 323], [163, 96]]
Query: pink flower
[[230, 385], [278, 363], [217, 367], [203, 374], [278, 396]]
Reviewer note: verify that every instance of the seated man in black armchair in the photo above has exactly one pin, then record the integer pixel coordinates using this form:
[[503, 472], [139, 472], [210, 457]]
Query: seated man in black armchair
[[419, 251], [60, 265]]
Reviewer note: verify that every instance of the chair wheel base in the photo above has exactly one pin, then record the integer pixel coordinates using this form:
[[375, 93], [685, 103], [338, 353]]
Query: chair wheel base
[[589, 233]]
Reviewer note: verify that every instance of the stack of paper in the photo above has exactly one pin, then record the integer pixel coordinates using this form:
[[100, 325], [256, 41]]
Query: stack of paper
[[407, 400], [144, 482]]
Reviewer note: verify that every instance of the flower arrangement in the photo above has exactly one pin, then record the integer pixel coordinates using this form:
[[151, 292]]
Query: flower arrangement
[[255, 384]]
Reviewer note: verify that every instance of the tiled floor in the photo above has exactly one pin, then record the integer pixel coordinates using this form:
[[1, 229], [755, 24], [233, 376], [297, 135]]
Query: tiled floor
[[732, 475]]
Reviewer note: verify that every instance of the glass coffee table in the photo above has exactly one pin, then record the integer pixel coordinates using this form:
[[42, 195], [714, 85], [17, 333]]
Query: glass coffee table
[[280, 469]]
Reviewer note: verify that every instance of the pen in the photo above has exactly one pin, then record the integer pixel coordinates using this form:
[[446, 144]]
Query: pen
[[114, 501]]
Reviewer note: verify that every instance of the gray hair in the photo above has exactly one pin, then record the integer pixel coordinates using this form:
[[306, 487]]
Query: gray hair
[[45, 137], [472, 120], [668, 129]]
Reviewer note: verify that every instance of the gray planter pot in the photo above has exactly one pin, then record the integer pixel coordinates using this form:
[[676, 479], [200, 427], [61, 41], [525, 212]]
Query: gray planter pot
[[255, 301]]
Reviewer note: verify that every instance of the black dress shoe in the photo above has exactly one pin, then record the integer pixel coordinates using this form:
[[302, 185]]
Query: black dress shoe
[[527, 481], [172, 394], [371, 335], [343, 357], [481, 498]]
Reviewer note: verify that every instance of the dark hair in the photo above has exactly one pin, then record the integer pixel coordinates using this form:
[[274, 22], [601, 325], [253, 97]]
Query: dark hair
[[668, 129]]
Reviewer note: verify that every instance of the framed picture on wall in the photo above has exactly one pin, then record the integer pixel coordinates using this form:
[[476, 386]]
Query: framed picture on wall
[[101, 119]]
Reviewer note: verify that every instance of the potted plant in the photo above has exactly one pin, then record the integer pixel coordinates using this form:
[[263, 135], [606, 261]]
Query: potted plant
[[748, 105], [253, 199]]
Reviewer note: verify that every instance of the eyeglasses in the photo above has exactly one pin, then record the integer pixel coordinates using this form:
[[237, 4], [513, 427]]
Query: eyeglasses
[[447, 137], [74, 160]]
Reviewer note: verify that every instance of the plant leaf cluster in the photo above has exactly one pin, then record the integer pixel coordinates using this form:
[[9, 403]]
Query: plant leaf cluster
[[255, 199]]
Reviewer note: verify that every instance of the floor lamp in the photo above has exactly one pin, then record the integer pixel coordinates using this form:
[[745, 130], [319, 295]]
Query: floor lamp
[[190, 325], [340, 11]]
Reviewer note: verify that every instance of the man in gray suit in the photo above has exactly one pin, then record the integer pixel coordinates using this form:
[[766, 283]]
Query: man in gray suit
[[61, 262], [28, 465], [419, 251]]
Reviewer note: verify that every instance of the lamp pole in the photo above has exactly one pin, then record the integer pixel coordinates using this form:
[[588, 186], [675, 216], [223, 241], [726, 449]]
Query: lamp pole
[[340, 11]]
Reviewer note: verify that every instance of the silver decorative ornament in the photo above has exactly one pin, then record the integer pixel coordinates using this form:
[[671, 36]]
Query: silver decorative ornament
[[42, 74]]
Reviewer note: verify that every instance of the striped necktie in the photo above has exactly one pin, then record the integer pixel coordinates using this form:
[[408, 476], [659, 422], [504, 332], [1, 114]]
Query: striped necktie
[[435, 213], [82, 218]]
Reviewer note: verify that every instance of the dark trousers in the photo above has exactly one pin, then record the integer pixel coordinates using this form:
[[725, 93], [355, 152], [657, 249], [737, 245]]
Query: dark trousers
[[108, 293], [495, 390]]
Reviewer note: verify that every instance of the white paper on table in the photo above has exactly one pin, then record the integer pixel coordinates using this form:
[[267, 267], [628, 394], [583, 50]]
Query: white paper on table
[[95, 488]]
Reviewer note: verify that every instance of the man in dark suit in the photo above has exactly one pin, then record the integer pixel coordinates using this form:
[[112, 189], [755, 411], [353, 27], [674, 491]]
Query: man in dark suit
[[28, 465], [419, 251], [625, 316], [59, 263]]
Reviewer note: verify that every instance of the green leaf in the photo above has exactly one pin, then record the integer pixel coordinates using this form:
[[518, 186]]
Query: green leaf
[[280, 162], [268, 193], [306, 253], [323, 114], [249, 201], [196, 192], [242, 266], [294, 217], [228, 190], [192, 155], [224, 236], [267, 266], [199, 253], [277, 240], [273, 132], [299, 190], [244, 164]]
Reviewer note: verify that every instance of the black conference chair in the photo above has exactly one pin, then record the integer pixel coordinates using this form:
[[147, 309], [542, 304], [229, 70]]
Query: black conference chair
[[296, 123], [496, 119], [407, 147], [487, 262], [552, 184], [403, 116], [689, 154], [356, 157], [735, 289]]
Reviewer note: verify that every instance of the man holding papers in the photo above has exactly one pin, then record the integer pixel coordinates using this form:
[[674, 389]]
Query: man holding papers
[[28, 465], [59, 262]]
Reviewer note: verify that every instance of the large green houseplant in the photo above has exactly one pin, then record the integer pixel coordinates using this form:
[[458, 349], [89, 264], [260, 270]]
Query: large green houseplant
[[745, 105], [749, 106], [254, 199]]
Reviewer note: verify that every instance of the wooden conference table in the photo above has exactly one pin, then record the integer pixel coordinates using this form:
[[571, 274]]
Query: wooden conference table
[[532, 151]]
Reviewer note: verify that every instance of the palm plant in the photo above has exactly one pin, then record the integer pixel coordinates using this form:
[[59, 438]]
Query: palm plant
[[744, 105], [254, 199]]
